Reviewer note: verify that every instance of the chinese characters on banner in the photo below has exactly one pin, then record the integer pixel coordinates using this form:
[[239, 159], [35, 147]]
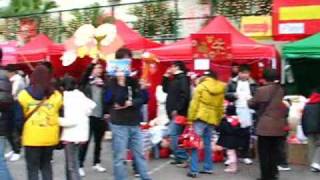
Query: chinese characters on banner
[[215, 47]]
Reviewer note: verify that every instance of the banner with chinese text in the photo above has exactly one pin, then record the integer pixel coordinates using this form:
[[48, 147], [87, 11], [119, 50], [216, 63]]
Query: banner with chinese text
[[215, 47]]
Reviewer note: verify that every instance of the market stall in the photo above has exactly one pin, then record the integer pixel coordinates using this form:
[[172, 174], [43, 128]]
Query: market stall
[[302, 59], [243, 49]]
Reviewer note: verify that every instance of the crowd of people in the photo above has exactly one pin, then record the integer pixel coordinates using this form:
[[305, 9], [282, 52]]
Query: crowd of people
[[44, 113]]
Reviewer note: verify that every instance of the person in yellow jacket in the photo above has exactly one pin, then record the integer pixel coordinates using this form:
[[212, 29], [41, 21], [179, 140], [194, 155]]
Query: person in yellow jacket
[[205, 111], [41, 131]]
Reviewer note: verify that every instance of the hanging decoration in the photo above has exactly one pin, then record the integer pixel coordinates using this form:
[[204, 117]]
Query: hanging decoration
[[211, 46]]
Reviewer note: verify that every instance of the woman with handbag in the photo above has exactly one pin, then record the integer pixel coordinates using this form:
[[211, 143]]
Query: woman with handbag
[[205, 112], [40, 105]]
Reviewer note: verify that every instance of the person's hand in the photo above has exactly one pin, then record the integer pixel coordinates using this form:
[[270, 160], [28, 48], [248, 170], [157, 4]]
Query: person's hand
[[168, 72], [118, 107], [174, 113], [128, 103], [106, 116], [95, 61]]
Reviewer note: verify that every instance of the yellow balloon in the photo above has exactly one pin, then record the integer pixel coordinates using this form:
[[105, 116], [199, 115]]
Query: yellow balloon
[[93, 53], [82, 51]]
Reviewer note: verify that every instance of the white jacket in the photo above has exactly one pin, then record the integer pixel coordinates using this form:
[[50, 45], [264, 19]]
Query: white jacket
[[18, 84], [77, 108]]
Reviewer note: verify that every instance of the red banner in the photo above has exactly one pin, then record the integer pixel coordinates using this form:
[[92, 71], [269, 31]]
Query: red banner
[[211, 46]]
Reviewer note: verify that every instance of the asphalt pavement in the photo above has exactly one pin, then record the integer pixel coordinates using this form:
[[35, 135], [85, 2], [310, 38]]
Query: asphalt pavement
[[159, 170]]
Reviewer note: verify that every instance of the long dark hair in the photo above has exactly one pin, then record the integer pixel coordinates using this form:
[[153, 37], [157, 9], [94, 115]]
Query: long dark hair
[[41, 81]]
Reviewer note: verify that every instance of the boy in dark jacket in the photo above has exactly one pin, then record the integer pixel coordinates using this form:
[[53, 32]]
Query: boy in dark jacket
[[240, 89], [311, 128], [176, 84]]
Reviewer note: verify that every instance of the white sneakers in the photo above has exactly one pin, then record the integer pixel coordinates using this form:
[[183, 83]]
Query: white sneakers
[[14, 157], [315, 167], [284, 168], [81, 172], [227, 162], [11, 156], [246, 161], [99, 168]]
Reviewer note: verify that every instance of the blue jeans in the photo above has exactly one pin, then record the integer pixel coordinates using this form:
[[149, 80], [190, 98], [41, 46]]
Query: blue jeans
[[205, 131], [122, 138], [4, 171], [175, 130]]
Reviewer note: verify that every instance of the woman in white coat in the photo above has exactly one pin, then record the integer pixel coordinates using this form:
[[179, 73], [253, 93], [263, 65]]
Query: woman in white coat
[[75, 124]]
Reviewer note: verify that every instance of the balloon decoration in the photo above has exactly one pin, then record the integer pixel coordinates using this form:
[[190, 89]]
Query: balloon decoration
[[149, 60], [97, 43]]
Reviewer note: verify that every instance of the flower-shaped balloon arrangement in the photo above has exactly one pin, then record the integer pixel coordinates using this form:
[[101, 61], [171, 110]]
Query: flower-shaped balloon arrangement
[[97, 43]]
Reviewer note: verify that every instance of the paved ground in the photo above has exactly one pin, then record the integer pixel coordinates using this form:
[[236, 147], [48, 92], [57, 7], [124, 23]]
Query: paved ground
[[161, 170]]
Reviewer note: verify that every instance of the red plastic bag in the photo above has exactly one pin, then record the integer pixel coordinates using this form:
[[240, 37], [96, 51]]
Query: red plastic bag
[[189, 139], [181, 120]]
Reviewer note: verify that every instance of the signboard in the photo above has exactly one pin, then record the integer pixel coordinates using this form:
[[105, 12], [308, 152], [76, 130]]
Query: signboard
[[291, 28], [211, 46], [119, 65], [256, 26], [294, 20], [201, 64]]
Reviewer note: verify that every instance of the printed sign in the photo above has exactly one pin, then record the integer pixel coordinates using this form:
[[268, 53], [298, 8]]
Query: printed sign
[[201, 64], [119, 65], [291, 28]]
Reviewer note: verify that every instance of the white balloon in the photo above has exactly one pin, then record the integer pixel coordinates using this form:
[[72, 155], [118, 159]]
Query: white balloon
[[107, 30], [68, 57], [82, 41], [86, 30]]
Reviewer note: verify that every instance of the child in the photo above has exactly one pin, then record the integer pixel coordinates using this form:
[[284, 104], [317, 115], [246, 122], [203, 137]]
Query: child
[[75, 123], [229, 138]]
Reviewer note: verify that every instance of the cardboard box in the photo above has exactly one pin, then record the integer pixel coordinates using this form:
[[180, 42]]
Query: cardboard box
[[298, 154]]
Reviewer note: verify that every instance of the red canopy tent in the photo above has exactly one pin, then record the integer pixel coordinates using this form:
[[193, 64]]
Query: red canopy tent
[[36, 50], [243, 48], [132, 39]]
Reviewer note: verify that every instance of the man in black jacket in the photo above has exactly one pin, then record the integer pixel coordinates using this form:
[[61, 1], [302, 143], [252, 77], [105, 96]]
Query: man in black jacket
[[6, 102], [176, 84]]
